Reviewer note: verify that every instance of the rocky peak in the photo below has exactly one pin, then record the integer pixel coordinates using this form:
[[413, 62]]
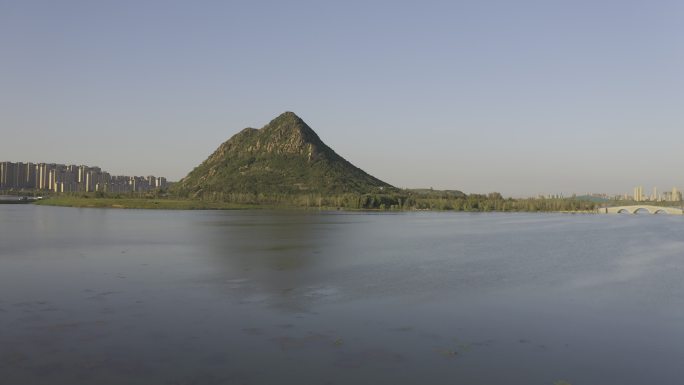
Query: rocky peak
[[286, 134], [290, 128]]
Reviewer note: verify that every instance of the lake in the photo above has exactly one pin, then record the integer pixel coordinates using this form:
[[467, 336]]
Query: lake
[[104, 296]]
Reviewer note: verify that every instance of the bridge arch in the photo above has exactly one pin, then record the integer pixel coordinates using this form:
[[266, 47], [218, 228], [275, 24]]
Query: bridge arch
[[641, 209]]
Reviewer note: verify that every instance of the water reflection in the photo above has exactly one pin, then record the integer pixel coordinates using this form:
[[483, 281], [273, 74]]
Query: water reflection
[[275, 254], [275, 242]]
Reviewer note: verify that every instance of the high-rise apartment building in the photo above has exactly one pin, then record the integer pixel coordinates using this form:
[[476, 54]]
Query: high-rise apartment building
[[71, 178], [638, 193], [6, 175]]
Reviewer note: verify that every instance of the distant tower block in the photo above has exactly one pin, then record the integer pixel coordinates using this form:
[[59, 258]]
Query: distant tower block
[[638, 193]]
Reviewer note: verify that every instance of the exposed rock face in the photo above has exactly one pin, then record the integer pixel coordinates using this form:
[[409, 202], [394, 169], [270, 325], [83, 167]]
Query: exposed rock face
[[286, 156]]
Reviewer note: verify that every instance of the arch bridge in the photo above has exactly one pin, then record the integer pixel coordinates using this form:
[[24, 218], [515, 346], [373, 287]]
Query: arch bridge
[[635, 208]]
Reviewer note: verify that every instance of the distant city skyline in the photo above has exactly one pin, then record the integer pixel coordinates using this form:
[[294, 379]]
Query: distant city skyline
[[523, 98], [638, 193], [63, 178]]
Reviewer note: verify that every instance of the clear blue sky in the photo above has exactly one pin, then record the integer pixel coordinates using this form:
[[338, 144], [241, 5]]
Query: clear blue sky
[[521, 97]]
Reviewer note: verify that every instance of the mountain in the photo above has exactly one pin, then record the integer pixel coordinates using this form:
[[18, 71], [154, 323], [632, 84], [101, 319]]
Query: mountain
[[284, 157]]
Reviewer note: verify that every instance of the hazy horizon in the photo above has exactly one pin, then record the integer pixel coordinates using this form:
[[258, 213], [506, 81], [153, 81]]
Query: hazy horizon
[[522, 98]]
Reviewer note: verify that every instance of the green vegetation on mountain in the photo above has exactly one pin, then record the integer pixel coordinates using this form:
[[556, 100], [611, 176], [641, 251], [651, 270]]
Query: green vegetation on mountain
[[283, 159]]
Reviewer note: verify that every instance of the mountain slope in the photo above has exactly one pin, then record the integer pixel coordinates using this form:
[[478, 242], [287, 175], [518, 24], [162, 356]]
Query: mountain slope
[[284, 157]]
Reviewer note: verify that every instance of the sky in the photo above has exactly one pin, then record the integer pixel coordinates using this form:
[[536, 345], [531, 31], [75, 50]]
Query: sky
[[520, 97]]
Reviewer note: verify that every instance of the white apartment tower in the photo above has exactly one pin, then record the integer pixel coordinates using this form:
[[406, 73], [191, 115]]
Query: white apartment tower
[[638, 193]]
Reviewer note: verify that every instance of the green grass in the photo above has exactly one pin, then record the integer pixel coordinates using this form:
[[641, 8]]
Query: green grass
[[142, 203]]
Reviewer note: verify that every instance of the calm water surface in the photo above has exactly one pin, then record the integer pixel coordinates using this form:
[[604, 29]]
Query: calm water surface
[[91, 296]]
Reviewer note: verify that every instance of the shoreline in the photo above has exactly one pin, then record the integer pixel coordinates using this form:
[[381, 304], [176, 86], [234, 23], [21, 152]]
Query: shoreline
[[189, 204], [142, 204], [186, 204]]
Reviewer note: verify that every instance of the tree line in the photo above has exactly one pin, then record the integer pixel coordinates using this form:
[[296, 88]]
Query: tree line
[[406, 200], [395, 199]]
